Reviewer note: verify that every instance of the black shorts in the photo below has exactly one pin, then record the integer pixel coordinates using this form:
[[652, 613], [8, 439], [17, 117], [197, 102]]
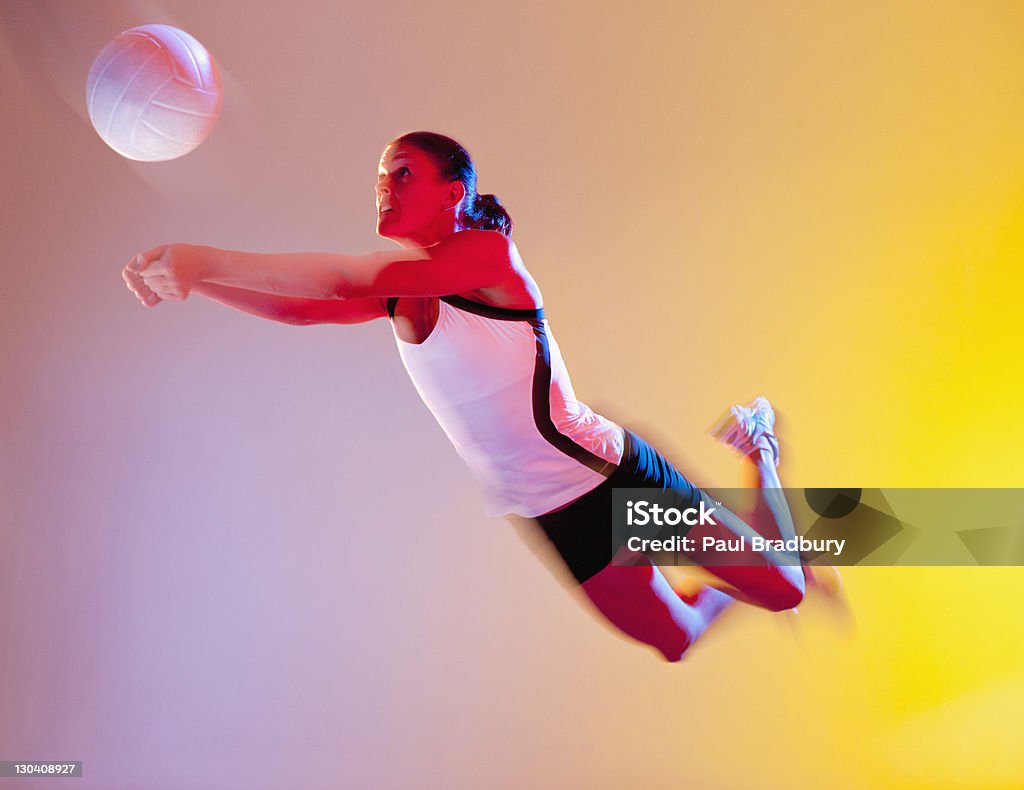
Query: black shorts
[[582, 530]]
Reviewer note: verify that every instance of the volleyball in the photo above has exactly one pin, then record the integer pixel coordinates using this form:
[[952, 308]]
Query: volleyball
[[153, 93]]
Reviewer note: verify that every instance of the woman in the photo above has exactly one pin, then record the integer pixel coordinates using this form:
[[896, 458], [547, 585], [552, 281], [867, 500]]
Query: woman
[[469, 324]]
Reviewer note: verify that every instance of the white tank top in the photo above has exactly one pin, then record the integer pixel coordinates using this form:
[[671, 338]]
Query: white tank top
[[495, 381]]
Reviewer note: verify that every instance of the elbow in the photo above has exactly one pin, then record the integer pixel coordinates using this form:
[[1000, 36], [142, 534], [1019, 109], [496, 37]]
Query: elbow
[[293, 320], [784, 589], [343, 288]]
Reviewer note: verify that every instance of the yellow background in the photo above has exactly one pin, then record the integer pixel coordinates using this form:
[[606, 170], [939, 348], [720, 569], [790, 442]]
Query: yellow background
[[247, 545]]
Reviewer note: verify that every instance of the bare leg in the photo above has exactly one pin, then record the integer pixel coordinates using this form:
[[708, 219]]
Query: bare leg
[[766, 579], [771, 492], [638, 600]]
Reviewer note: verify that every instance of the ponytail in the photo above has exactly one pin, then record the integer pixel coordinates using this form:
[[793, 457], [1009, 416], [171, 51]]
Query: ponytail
[[489, 214]]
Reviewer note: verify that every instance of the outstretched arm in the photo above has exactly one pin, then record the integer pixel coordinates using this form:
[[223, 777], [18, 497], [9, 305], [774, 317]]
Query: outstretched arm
[[292, 310], [295, 310], [464, 261]]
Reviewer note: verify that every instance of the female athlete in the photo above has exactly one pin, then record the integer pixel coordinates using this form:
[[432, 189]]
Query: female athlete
[[470, 327]]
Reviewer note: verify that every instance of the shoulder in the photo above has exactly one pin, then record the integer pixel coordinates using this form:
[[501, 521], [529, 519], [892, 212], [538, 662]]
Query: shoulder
[[490, 245], [513, 286]]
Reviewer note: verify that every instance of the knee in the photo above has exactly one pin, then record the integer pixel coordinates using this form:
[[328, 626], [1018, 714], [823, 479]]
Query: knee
[[675, 652], [786, 591]]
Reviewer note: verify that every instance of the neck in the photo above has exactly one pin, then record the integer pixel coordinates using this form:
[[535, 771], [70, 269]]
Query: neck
[[428, 237]]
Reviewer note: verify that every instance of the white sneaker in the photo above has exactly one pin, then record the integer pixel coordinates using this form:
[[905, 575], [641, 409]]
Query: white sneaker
[[748, 429]]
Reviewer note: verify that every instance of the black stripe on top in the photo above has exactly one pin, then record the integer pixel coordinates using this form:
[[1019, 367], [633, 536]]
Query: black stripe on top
[[490, 311], [541, 376], [542, 408], [486, 310]]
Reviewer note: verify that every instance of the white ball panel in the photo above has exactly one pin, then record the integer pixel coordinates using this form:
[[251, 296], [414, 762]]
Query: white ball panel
[[155, 145], [153, 93], [192, 62], [112, 74]]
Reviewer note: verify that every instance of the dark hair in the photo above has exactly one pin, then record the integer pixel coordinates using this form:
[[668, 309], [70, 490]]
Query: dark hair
[[483, 212]]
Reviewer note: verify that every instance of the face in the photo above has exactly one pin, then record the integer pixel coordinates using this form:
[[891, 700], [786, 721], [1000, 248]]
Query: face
[[413, 202]]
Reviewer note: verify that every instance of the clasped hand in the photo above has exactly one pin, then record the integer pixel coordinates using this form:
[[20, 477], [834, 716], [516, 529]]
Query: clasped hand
[[170, 272]]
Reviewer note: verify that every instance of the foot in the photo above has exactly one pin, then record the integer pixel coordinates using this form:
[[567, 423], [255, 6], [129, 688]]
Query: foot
[[823, 577], [748, 429], [705, 600]]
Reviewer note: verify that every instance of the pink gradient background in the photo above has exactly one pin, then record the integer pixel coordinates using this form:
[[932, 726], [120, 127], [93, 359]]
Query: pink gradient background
[[237, 554]]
